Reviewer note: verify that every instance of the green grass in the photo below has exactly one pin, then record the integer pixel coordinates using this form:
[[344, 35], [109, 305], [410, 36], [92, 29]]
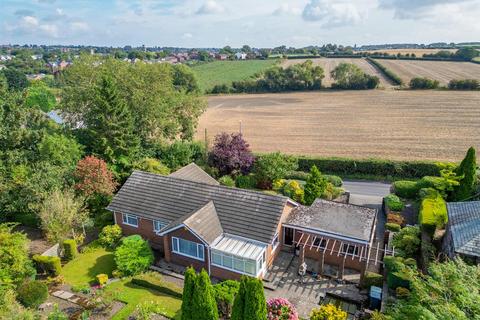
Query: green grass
[[82, 270], [133, 295], [225, 72]]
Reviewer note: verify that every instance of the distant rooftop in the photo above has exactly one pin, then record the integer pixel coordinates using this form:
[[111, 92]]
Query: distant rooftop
[[192, 172], [337, 219], [464, 221]]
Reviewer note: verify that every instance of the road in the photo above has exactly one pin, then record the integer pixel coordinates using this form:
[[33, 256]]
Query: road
[[367, 188]]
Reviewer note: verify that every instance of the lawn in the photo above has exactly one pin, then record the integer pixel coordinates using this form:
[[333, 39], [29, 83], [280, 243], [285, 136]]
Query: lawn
[[225, 72], [94, 260]]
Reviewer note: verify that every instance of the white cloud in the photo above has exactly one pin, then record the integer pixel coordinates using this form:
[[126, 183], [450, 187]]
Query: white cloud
[[187, 35], [286, 9], [332, 13], [416, 9], [79, 26], [211, 7]]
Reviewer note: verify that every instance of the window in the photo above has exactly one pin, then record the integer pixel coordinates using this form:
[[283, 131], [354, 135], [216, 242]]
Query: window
[[157, 225], [350, 249], [317, 243], [130, 219], [275, 242], [238, 264], [188, 248]]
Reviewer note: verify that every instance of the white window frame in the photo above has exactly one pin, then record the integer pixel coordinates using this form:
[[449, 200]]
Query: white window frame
[[162, 225], [126, 216], [254, 261], [275, 244], [200, 248]]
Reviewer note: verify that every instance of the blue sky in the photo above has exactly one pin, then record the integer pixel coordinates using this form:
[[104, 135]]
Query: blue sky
[[216, 23]]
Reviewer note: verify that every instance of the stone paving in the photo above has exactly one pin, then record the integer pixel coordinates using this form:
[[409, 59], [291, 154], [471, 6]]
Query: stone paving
[[283, 280]]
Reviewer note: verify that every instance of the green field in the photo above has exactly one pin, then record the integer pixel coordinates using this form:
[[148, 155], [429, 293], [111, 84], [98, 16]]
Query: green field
[[225, 72]]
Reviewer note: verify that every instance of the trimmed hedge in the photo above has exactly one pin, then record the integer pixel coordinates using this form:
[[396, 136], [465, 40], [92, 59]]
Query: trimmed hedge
[[396, 272], [386, 168], [32, 293], [394, 227], [405, 189], [387, 72], [433, 213], [48, 264], [150, 281], [70, 249], [394, 203], [372, 279]]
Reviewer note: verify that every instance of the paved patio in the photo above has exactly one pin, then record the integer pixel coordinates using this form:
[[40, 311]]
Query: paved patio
[[282, 280]]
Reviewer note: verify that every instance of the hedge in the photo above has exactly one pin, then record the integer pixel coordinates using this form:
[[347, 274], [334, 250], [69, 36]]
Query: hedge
[[302, 175], [372, 279], [396, 272], [388, 73], [32, 293], [155, 282], [394, 227], [423, 83], [246, 182], [378, 167], [466, 84], [48, 264], [433, 213], [406, 189], [394, 203], [70, 249]]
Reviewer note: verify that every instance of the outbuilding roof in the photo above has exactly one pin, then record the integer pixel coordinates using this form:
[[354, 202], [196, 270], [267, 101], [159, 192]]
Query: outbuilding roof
[[335, 219], [464, 222], [192, 172], [250, 214]]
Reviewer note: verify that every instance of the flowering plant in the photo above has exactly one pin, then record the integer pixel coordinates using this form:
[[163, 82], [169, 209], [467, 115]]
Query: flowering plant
[[281, 309]]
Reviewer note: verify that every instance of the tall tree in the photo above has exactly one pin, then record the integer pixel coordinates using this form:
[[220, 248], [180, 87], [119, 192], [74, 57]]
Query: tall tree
[[231, 154], [16, 80], [315, 186], [273, 166], [255, 303], [94, 178], [188, 292], [204, 304], [110, 124], [467, 169], [238, 309]]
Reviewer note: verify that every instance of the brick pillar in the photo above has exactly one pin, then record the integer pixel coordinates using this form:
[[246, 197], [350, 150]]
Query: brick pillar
[[322, 262], [166, 248], [302, 254], [341, 269]]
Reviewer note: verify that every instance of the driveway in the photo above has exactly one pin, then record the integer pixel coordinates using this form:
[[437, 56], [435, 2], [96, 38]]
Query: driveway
[[367, 188]]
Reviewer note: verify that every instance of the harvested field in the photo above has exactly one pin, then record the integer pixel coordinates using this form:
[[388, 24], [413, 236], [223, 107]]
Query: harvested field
[[417, 52], [443, 71], [403, 125], [328, 64]]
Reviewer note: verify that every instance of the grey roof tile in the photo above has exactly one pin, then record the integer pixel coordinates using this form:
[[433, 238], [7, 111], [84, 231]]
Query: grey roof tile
[[464, 221], [246, 213], [193, 172]]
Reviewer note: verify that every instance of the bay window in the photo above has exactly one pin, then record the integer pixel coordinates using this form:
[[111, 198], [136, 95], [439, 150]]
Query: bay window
[[130, 219], [188, 248]]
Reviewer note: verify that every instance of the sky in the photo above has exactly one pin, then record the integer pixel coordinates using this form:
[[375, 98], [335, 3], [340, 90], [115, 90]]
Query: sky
[[217, 23]]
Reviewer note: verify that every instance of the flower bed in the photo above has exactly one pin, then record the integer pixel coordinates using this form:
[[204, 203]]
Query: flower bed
[[281, 309]]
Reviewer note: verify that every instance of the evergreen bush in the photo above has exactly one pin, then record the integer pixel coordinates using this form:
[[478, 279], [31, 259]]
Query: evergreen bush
[[394, 203], [203, 302], [187, 296], [225, 293], [110, 236], [246, 182], [133, 255], [70, 249], [372, 279], [32, 293], [227, 181], [51, 265]]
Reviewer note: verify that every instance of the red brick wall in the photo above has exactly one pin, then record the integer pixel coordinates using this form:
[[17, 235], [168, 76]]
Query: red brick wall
[[182, 260], [145, 229]]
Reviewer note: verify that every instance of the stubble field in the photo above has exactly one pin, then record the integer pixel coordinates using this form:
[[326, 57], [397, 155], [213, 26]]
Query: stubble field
[[443, 71], [408, 125], [328, 64]]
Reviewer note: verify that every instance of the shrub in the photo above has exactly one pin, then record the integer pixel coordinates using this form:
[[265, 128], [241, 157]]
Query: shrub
[[133, 255], [203, 299], [424, 83], [291, 189], [372, 279], [392, 227], [407, 241], [70, 249], [467, 169], [227, 181], [110, 236], [187, 295], [377, 167], [272, 166], [231, 154], [406, 189], [350, 76], [225, 292], [153, 280], [246, 182], [433, 214], [398, 274], [328, 312], [402, 292], [32, 293], [281, 309], [394, 203], [395, 218], [334, 180], [48, 264], [102, 279], [250, 300], [297, 175], [467, 84], [152, 165], [315, 186]]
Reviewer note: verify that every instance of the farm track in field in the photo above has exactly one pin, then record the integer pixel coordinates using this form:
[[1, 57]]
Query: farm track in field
[[409, 125]]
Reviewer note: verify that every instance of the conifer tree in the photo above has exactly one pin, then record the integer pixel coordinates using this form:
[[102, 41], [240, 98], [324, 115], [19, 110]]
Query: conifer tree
[[239, 302], [467, 169], [187, 296], [204, 306], [315, 186], [110, 124], [255, 303]]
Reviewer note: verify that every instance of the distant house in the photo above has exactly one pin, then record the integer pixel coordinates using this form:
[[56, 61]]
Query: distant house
[[193, 221], [221, 56], [462, 237], [240, 56]]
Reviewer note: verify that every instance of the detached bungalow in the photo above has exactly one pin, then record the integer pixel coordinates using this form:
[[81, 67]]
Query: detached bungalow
[[192, 220]]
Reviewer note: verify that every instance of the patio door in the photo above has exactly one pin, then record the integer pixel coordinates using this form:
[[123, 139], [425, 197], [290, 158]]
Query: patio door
[[288, 236]]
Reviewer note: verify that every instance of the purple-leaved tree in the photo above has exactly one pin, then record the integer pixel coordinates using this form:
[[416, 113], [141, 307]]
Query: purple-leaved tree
[[231, 154]]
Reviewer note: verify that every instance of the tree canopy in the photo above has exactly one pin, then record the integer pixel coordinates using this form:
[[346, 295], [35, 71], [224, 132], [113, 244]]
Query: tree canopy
[[231, 154]]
